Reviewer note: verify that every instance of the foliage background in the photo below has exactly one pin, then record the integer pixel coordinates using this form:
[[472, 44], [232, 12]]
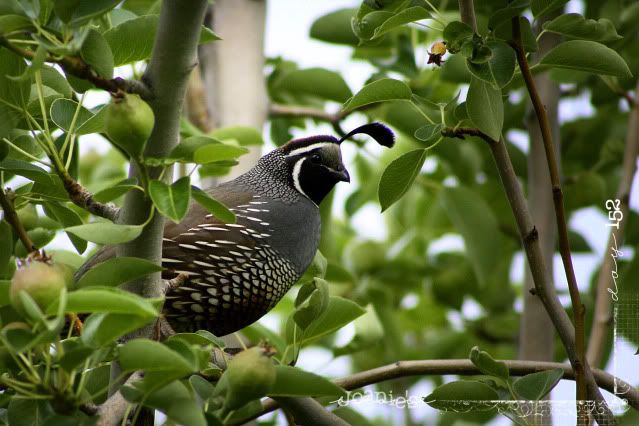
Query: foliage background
[[426, 296]]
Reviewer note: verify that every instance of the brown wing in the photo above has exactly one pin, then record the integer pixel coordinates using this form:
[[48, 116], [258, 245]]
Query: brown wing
[[234, 276]]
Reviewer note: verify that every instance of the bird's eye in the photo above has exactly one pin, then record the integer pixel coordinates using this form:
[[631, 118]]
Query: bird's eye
[[315, 158]]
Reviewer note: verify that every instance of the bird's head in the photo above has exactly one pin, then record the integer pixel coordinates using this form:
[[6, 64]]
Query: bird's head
[[314, 164]]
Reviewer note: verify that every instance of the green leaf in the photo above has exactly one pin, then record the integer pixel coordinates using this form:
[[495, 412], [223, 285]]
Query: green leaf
[[487, 365], [316, 82], [106, 299], [485, 107], [115, 191], [95, 124], [106, 232], [339, 312], [214, 207], [590, 56], [218, 152], [10, 23], [202, 387], [102, 328], [185, 150], [56, 81], [14, 92], [132, 40], [244, 136], [408, 15], [89, 9], [97, 53], [116, 271], [171, 200], [476, 222], [178, 403], [535, 386], [314, 306], [335, 27], [450, 395], [575, 25], [28, 412], [399, 176], [293, 381], [504, 32], [499, 69], [148, 355], [513, 9], [22, 168], [543, 7], [75, 357], [66, 217], [62, 113], [428, 132], [365, 26], [386, 89], [456, 34]]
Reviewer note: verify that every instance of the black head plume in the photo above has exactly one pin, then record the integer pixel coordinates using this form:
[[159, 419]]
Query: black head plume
[[382, 134]]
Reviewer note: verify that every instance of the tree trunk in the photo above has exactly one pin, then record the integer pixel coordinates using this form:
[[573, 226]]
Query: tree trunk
[[233, 71]]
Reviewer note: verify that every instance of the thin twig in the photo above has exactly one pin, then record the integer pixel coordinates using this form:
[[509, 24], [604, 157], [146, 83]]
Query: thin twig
[[462, 132], [560, 213], [462, 367], [334, 119], [10, 215], [84, 199], [76, 66], [601, 316], [539, 272]]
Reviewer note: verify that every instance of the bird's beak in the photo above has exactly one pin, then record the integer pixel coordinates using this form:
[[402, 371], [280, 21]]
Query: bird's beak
[[342, 175]]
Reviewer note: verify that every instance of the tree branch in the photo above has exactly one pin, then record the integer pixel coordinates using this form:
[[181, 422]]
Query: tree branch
[[463, 367], [308, 411], [10, 215], [541, 278], [601, 316], [172, 59], [560, 213], [467, 13], [114, 408], [334, 119], [75, 66], [81, 197], [462, 132]]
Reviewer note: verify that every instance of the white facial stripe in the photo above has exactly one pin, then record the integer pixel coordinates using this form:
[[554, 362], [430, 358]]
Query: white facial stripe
[[309, 148], [296, 176]]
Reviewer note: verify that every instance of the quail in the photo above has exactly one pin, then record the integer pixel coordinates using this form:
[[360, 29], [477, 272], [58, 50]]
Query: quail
[[237, 272]]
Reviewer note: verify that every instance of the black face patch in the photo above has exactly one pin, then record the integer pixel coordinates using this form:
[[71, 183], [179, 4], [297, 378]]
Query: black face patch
[[315, 171]]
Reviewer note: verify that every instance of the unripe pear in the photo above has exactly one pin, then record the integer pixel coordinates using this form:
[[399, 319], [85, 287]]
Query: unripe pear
[[28, 216], [129, 122], [43, 282], [251, 375]]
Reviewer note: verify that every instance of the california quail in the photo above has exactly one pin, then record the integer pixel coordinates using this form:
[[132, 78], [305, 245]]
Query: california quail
[[238, 272]]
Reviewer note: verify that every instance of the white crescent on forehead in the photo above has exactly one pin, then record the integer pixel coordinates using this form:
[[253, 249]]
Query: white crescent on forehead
[[309, 148]]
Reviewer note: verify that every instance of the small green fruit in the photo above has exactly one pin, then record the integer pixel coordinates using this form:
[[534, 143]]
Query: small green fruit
[[251, 375], [129, 122], [28, 216], [43, 282]]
